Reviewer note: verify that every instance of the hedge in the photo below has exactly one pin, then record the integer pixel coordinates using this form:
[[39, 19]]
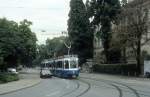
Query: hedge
[[8, 77], [124, 69]]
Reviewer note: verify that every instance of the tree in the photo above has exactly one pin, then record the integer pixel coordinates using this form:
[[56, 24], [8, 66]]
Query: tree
[[17, 43], [124, 2], [133, 29], [56, 47], [28, 40], [139, 22], [53, 48], [79, 31], [9, 42], [42, 52], [103, 14]]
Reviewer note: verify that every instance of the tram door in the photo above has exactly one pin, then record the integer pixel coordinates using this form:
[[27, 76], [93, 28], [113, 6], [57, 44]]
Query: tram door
[[66, 64]]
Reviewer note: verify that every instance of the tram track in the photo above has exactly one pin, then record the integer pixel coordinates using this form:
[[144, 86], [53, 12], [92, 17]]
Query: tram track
[[119, 90], [83, 86], [86, 90], [79, 84], [117, 86]]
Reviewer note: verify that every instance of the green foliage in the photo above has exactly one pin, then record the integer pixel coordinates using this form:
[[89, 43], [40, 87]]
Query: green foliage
[[53, 48], [124, 69], [114, 55], [28, 40], [79, 30], [7, 77], [56, 46], [124, 2], [17, 43], [104, 13], [133, 29]]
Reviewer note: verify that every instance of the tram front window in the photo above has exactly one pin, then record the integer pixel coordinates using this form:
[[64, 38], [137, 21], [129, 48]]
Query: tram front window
[[73, 64]]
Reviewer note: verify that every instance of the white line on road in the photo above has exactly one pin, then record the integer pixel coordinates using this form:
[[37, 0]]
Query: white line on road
[[52, 94]]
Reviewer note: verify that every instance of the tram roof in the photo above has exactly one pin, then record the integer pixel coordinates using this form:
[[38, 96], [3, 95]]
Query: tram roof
[[68, 56], [46, 60]]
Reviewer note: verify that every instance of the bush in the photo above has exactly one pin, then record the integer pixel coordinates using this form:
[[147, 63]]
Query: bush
[[124, 69], [7, 77]]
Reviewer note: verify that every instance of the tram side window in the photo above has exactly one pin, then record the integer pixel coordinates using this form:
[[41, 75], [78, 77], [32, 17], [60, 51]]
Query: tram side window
[[46, 65], [59, 64], [55, 65], [66, 64], [42, 65], [50, 64]]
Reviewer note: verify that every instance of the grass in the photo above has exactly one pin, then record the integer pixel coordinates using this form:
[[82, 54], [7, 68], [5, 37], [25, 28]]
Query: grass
[[8, 77]]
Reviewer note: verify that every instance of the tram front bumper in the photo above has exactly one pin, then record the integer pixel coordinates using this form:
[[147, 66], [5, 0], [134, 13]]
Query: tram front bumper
[[71, 73]]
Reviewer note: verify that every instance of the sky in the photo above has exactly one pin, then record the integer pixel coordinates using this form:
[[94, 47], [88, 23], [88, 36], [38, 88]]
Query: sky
[[49, 17]]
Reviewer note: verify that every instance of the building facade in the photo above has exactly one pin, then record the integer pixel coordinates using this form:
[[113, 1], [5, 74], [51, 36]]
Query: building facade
[[130, 54]]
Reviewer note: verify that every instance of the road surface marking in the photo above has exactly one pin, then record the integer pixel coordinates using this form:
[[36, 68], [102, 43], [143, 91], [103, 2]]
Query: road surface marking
[[52, 94]]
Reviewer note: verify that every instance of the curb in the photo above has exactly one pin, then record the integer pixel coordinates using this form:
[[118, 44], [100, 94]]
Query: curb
[[124, 77], [20, 88]]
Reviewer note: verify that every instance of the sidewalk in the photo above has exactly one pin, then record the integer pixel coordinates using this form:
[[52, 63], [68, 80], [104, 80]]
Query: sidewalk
[[119, 78], [26, 81], [17, 85]]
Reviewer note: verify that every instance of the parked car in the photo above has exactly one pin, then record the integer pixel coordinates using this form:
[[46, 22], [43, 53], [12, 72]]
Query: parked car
[[45, 73], [147, 74], [12, 70]]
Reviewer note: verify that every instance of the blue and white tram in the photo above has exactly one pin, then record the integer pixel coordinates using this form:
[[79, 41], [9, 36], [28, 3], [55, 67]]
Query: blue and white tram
[[65, 66]]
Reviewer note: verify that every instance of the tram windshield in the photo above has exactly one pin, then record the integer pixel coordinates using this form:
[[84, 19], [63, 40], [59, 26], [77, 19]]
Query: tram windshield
[[73, 64]]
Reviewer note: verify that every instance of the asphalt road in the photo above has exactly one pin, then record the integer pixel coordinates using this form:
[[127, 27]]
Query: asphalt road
[[88, 85]]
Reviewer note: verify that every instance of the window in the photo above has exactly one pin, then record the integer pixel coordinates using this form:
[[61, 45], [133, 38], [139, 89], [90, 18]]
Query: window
[[59, 64], [66, 64], [73, 64]]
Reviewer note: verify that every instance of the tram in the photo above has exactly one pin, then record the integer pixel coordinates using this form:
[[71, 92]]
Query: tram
[[65, 66]]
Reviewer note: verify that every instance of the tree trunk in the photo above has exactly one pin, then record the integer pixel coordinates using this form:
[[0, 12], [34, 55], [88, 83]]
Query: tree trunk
[[106, 50], [106, 29], [124, 54], [138, 58]]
